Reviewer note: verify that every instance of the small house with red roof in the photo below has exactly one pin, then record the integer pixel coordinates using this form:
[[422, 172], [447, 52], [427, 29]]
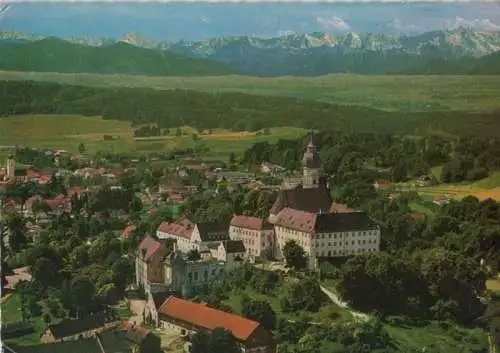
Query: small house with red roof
[[149, 263], [256, 234], [184, 317]]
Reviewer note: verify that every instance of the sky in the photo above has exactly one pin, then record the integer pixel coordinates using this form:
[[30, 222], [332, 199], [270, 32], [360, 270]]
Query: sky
[[173, 21]]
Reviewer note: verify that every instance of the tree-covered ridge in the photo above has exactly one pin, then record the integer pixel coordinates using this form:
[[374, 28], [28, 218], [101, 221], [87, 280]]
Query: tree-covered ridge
[[57, 55], [234, 111], [396, 158]]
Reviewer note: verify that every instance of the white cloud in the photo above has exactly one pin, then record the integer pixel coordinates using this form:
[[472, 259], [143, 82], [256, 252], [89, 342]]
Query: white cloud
[[205, 19], [333, 22], [483, 24]]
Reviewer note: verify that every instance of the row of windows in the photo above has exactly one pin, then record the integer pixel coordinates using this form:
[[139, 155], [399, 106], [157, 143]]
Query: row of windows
[[354, 234], [343, 252], [360, 242]]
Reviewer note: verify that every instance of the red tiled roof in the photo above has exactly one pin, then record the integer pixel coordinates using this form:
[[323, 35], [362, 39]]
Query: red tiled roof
[[341, 208], [150, 245], [204, 317], [57, 203], [247, 222], [298, 220], [176, 196], [175, 229], [127, 230]]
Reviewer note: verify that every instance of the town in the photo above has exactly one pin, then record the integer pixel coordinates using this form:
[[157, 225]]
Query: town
[[181, 257], [189, 258]]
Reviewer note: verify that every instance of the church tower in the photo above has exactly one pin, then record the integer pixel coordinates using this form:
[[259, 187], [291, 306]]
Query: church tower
[[11, 167], [311, 164]]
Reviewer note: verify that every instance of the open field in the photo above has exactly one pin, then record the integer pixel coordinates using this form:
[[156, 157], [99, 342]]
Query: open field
[[68, 131], [387, 92], [482, 189]]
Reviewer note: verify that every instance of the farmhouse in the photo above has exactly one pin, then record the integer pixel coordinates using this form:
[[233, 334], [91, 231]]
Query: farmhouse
[[185, 318]]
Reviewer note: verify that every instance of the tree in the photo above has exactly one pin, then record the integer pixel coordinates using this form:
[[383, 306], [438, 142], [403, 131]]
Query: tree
[[295, 256], [261, 311], [178, 132], [232, 158], [195, 137], [193, 255], [82, 293], [219, 340], [81, 148]]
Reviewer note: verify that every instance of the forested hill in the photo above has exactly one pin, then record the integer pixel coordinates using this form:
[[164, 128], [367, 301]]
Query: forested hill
[[57, 55], [236, 111]]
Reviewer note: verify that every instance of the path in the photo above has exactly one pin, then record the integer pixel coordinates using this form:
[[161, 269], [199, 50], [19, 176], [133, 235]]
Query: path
[[336, 299]]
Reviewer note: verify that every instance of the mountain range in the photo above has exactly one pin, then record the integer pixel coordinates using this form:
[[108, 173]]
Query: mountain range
[[459, 51]]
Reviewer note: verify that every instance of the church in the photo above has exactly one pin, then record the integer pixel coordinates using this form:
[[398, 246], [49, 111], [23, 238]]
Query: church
[[305, 213]]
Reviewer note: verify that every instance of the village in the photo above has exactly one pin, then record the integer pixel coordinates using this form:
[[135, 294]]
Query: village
[[180, 257]]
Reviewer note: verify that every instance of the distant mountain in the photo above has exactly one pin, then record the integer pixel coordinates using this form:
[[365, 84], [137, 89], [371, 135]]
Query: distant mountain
[[320, 53], [455, 51], [57, 55]]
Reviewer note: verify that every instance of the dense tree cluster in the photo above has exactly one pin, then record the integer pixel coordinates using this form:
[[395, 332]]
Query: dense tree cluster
[[235, 111], [372, 155]]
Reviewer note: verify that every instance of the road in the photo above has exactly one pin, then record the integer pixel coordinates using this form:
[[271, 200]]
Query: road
[[336, 299]]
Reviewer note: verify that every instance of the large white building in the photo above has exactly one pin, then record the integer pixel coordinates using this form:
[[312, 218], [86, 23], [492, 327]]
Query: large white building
[[306, 214]]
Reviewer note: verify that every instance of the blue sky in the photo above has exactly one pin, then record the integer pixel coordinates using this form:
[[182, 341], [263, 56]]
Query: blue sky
[[195, 21]]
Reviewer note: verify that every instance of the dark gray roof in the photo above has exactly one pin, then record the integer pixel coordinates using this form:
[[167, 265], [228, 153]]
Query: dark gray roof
[[70, 327], [234, 246], [343, 222], [312, 200], [86, 345], [159, 298], [115, 342], [213, 231]]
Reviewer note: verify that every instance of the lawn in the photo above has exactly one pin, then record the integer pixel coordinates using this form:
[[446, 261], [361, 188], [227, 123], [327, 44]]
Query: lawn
[[493, 285], [387, 92], [11, 312], [452, 340], [324, 315], [68, 131]]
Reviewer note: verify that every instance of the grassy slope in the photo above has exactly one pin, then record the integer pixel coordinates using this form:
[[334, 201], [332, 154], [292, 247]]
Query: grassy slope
[[416, 338], [11, 312], [56, 55], [67, 131], [392, 93]]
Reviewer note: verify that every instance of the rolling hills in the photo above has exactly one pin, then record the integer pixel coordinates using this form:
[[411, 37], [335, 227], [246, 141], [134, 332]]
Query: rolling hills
[[56, 55], [458, 51], [230, 110]]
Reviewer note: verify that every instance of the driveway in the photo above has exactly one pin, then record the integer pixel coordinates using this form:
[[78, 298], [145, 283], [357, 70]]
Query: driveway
[[336, 299]]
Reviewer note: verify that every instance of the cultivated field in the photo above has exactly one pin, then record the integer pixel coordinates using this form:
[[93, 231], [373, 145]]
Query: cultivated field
[[482, 189], [68, 131], [388, 92]]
